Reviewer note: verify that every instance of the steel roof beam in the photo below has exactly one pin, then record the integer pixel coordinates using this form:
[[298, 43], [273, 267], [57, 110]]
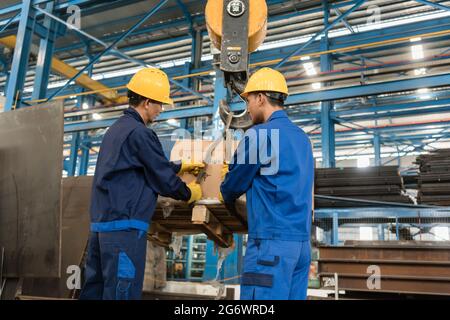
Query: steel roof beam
[[434, 5], [319, 34]]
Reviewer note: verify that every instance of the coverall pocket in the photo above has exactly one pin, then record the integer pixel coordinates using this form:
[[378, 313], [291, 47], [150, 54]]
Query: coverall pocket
[[268, 260], [257, 279], [126, 273], [259, 285]]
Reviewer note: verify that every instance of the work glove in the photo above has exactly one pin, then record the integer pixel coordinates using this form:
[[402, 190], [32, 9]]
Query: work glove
[[223, 174], [196, 191], [191, 167], [224, 171]]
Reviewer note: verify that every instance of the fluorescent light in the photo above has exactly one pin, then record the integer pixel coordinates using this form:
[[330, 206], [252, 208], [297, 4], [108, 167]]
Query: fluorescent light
[[360, 28], [213, 73], [305, 58], [96, 116], [441, 233], [417, 52], [363, 162], [365, 233], [420, 72], [424, 94], [316, 85], [173, 122], [85, 106], [417, 39], [309, 68]]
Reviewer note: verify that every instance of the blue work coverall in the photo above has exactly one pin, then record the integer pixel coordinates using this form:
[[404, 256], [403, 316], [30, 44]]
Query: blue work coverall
[[278, 181], [131, 172]]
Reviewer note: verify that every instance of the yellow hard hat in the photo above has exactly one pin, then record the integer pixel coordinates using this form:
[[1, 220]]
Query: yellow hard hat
[[151, 83], [266, 79]]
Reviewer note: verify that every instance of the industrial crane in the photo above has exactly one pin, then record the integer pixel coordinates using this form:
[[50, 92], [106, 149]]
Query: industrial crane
[[236, 28]]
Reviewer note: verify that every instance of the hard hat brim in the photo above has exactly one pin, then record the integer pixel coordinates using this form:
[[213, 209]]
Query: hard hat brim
[[245, 94], [164, 101]]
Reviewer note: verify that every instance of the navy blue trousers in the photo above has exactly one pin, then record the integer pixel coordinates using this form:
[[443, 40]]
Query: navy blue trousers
[[115, 265], [276, 270]]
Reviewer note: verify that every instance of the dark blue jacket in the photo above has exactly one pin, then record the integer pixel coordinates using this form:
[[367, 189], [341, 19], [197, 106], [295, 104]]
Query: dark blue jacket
[[278, 184], [131, 172]]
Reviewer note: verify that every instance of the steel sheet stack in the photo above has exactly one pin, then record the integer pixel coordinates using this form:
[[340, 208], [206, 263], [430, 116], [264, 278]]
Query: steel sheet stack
[[434, 178], [372, 183]]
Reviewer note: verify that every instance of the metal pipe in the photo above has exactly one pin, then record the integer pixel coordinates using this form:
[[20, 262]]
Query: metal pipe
[[434, 5], [108, 48], [271, 62], [9, 22], [115, 51], [379, 203]]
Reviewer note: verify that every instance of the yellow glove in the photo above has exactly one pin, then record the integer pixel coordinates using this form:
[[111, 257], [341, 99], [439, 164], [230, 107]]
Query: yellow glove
[[224, 171], [191, 167], [223, 174], [196, 191]]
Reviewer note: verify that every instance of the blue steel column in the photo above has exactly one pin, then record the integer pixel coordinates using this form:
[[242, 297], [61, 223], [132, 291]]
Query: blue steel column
[[44, 60], [335, 235], [381, 232], [196, 54], [190, 241], [232, 266], [327, 123], [186, 82], [397, 229], [84, 159], [377, 148], [21, 54], [74, 145], [7, 72], [210, 262]]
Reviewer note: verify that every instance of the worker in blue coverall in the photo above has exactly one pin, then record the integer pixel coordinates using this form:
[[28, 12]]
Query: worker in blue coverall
[[131, 172], [278, 182]]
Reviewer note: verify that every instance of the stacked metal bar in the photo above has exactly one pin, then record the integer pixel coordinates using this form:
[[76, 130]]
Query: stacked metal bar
[[372, 183], [434, 178]]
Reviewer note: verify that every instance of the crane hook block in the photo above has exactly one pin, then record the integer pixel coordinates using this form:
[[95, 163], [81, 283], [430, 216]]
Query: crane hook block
[[257, 22]]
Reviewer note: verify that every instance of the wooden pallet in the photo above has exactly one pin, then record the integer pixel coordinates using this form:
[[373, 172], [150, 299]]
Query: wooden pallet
[[208, 216]]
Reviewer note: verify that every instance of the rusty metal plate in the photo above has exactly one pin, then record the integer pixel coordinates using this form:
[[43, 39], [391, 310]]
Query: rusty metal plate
[[76, 200], [31, 146], [408, 285], [417, 267]]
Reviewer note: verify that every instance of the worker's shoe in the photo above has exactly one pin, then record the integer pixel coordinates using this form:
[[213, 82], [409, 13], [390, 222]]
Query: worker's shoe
[[196, 191], [191, 167]]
